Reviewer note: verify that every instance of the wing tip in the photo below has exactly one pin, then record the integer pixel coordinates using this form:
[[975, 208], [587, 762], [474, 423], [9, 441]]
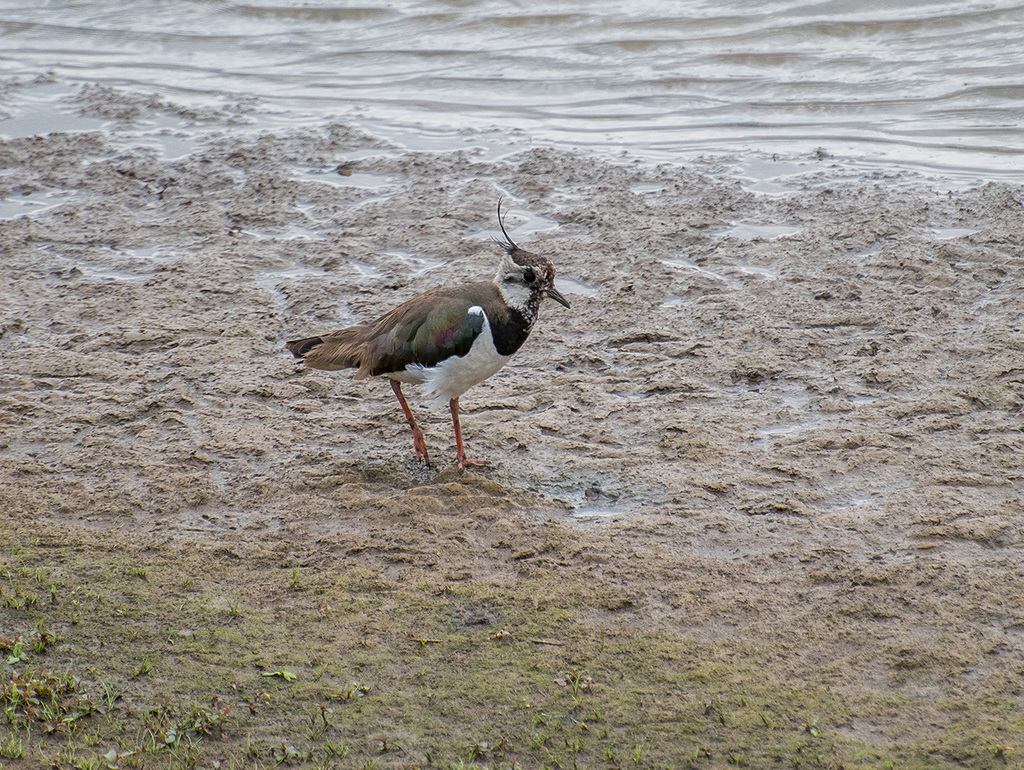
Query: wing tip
[[300, 348]]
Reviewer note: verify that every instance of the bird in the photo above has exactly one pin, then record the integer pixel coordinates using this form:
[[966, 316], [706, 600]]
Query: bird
[[446, 339]]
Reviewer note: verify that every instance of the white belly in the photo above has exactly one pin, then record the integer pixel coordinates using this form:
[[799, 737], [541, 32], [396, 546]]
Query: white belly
[[454, 376]]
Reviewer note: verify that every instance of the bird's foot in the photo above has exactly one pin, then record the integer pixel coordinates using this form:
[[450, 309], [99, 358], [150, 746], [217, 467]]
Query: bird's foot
[[421, 447], [460, 453], [464, 463]]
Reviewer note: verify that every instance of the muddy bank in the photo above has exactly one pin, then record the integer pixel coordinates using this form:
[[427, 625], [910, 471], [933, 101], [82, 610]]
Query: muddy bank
[[793, 415]]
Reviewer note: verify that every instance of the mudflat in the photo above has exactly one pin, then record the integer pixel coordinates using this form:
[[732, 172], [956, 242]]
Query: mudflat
[[756, 499]]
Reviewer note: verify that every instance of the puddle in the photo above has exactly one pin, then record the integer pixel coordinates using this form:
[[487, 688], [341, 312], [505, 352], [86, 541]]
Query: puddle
[[858, 501], [647, 188], [356, 178], [747, 231], [770, 187], [780, 430], [39, 111], [863, 399], [857, 490], [34, 203], [573, 286], [870, 251], [110, 264], [109, 274], [675, 302], [794, 397], [744, 270], [770, 177], [364, 269], [682, 263], [292, 232], [140, 262], [521, 222], [755, 270], [769, 436], [174, 144], [148, 254], [949, 233], [596, 515], [172, 136], [784, 394], [787, 402], [275, 280], [296, 271], [419, 265], [370, 200]]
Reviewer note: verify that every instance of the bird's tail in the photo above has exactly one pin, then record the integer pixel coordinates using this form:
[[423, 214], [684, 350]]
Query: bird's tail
[[338, 350], [299, 348]]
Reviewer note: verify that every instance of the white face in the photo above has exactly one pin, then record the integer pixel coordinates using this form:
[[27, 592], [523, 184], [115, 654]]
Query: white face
[[514, 288]]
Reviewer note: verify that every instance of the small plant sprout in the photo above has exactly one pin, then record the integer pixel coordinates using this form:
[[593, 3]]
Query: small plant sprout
[[640, 752], [386, 744], [12, 746], [287, 676], [111, 694], [339, 749], [144, 668], [16, 653]]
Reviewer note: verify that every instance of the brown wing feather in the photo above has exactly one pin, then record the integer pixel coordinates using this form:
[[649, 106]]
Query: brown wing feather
[[340, 349], [417, 331]]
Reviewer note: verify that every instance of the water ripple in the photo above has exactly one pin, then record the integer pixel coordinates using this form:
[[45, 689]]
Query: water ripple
[[930, 84]]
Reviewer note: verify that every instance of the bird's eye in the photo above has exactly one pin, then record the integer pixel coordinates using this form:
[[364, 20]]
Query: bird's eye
[[529, 276]]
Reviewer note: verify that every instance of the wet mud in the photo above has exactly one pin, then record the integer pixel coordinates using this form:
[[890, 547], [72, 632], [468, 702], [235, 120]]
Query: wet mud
[[785, 410]]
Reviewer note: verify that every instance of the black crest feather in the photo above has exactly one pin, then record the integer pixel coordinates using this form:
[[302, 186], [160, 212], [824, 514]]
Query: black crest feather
[[509, 245]]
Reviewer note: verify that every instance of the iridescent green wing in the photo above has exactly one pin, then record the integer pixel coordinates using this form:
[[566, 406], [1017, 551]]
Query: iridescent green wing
[[426, 330]]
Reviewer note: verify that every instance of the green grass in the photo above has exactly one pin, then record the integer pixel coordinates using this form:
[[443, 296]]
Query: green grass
[[241, 659]]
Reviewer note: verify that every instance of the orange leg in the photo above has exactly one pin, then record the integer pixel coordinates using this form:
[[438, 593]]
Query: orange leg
[[460, 454], [417, 434]]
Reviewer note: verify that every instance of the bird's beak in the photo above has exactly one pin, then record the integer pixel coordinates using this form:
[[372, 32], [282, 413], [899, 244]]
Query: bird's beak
[[556, 295]]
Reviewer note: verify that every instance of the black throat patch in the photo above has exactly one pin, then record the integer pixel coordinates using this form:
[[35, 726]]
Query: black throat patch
[[511, 327]]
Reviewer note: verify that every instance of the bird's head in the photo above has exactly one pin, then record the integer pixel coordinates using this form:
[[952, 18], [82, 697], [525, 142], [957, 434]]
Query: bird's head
[[525, 278]]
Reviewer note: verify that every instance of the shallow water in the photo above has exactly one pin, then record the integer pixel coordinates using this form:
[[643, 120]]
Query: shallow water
[[934, 86]]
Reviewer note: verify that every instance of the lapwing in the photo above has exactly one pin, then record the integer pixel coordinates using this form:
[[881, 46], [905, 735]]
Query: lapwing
[[447, 339]]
